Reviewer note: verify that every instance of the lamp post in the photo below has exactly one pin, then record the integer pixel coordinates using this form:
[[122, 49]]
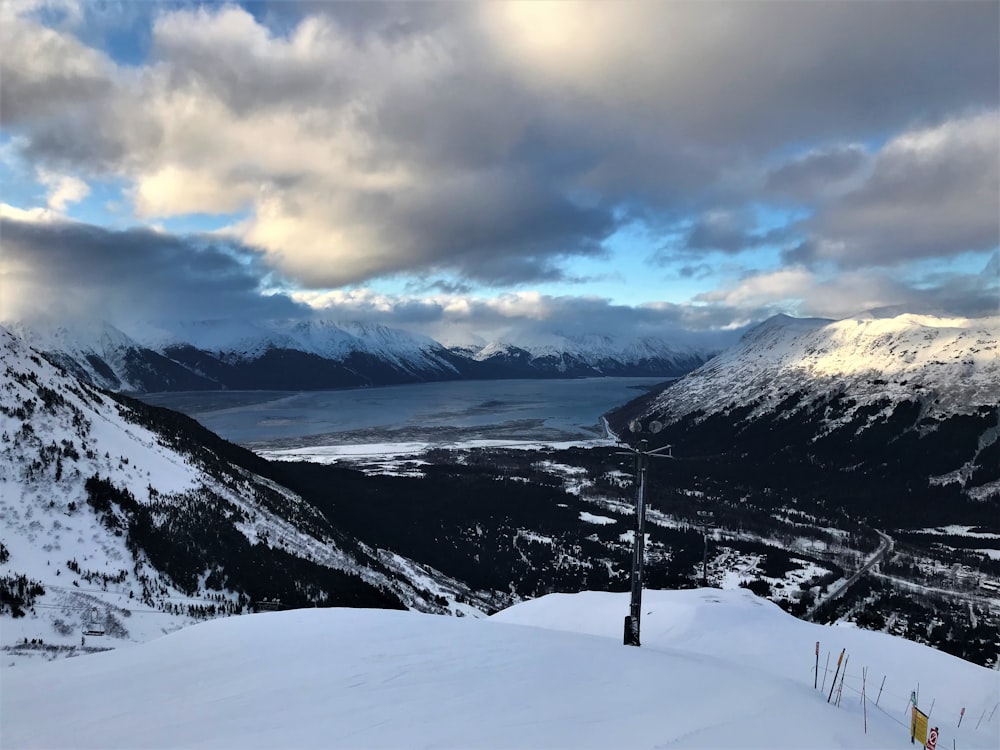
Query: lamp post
[[642, 454]]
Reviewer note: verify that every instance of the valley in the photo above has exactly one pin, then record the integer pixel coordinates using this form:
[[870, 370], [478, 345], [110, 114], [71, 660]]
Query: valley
[[876, 510], [528, 522]]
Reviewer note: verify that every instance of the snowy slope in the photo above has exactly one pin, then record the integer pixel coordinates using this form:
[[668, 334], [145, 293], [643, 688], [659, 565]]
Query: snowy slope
[[717, 670], [158, 487], [880, 405], [952, 365], [106, 357]]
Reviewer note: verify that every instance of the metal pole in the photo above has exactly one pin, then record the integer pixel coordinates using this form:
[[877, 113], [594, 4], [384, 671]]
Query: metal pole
[[704, 556], [635, 607]]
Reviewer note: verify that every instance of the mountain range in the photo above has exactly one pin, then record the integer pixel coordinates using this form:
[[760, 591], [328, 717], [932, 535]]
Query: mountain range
[[136, 520], [319, 354]]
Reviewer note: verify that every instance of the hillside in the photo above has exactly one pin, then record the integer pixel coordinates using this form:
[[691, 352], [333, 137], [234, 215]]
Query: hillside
[[912, 399], [132, 520], [716, 670]]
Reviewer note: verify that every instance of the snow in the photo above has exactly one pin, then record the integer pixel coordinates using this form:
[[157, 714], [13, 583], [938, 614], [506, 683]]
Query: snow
[[350, 453], [53, 536], [592, 349], [599, 520], [717, 669], [951, 364], [957, 530]]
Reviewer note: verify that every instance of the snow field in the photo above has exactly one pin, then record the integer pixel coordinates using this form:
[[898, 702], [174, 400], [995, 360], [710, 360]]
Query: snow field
[[717, 669]]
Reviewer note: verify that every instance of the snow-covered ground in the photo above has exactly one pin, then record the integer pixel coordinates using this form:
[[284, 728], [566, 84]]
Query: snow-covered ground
[[717, 669], [391, 453]]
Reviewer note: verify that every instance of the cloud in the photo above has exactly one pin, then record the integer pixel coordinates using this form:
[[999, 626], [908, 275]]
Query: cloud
[[817, 173], [46, 73], [760, 74], [931, 192], [799, 290], [494, 142], [63, 189], [722, 231], [36, 214], [520, 317], [56, 268]]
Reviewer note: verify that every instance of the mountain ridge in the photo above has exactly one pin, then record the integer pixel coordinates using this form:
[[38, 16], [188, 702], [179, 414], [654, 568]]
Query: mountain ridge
[[318, 354]]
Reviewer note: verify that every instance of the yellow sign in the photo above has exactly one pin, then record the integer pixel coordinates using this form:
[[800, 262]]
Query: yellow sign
[[918, 727]]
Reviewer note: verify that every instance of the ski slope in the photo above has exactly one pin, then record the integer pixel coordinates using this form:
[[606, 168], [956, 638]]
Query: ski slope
[[717, 669]]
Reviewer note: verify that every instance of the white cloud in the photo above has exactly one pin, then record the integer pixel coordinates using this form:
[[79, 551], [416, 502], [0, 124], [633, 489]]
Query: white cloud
[[34, 215], [62, 189]]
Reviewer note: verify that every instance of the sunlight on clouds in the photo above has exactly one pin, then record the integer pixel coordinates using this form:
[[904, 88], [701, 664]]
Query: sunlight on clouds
[[591, 46], [356, 299], [968, 131], [800, 291], [173, 191], [36, 214], [311, 237], [789, 283]]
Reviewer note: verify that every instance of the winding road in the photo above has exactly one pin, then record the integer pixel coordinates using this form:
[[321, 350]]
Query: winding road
[[883, 551]]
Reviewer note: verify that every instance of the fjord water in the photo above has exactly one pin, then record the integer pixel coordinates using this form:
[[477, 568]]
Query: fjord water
[[435, 413]]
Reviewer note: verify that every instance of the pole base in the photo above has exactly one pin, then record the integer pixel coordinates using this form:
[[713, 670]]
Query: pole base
[[631, 631]]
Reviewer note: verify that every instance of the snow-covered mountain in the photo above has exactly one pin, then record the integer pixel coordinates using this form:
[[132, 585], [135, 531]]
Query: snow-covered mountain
[[104, 356], [913, 393], [318, 354], [588, 355], [717, 669], [951, 365], [137, 520]]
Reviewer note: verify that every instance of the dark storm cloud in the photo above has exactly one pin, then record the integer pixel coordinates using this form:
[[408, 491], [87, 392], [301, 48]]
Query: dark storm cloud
[[132, 274]]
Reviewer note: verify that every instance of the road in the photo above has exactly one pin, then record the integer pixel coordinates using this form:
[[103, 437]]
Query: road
[[883, 551]]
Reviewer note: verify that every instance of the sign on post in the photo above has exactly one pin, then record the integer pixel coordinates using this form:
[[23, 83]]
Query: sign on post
[[918, 727], [932, 739]]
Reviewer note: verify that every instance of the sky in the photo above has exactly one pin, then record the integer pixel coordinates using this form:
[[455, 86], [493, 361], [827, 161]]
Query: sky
[[475, 171]]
